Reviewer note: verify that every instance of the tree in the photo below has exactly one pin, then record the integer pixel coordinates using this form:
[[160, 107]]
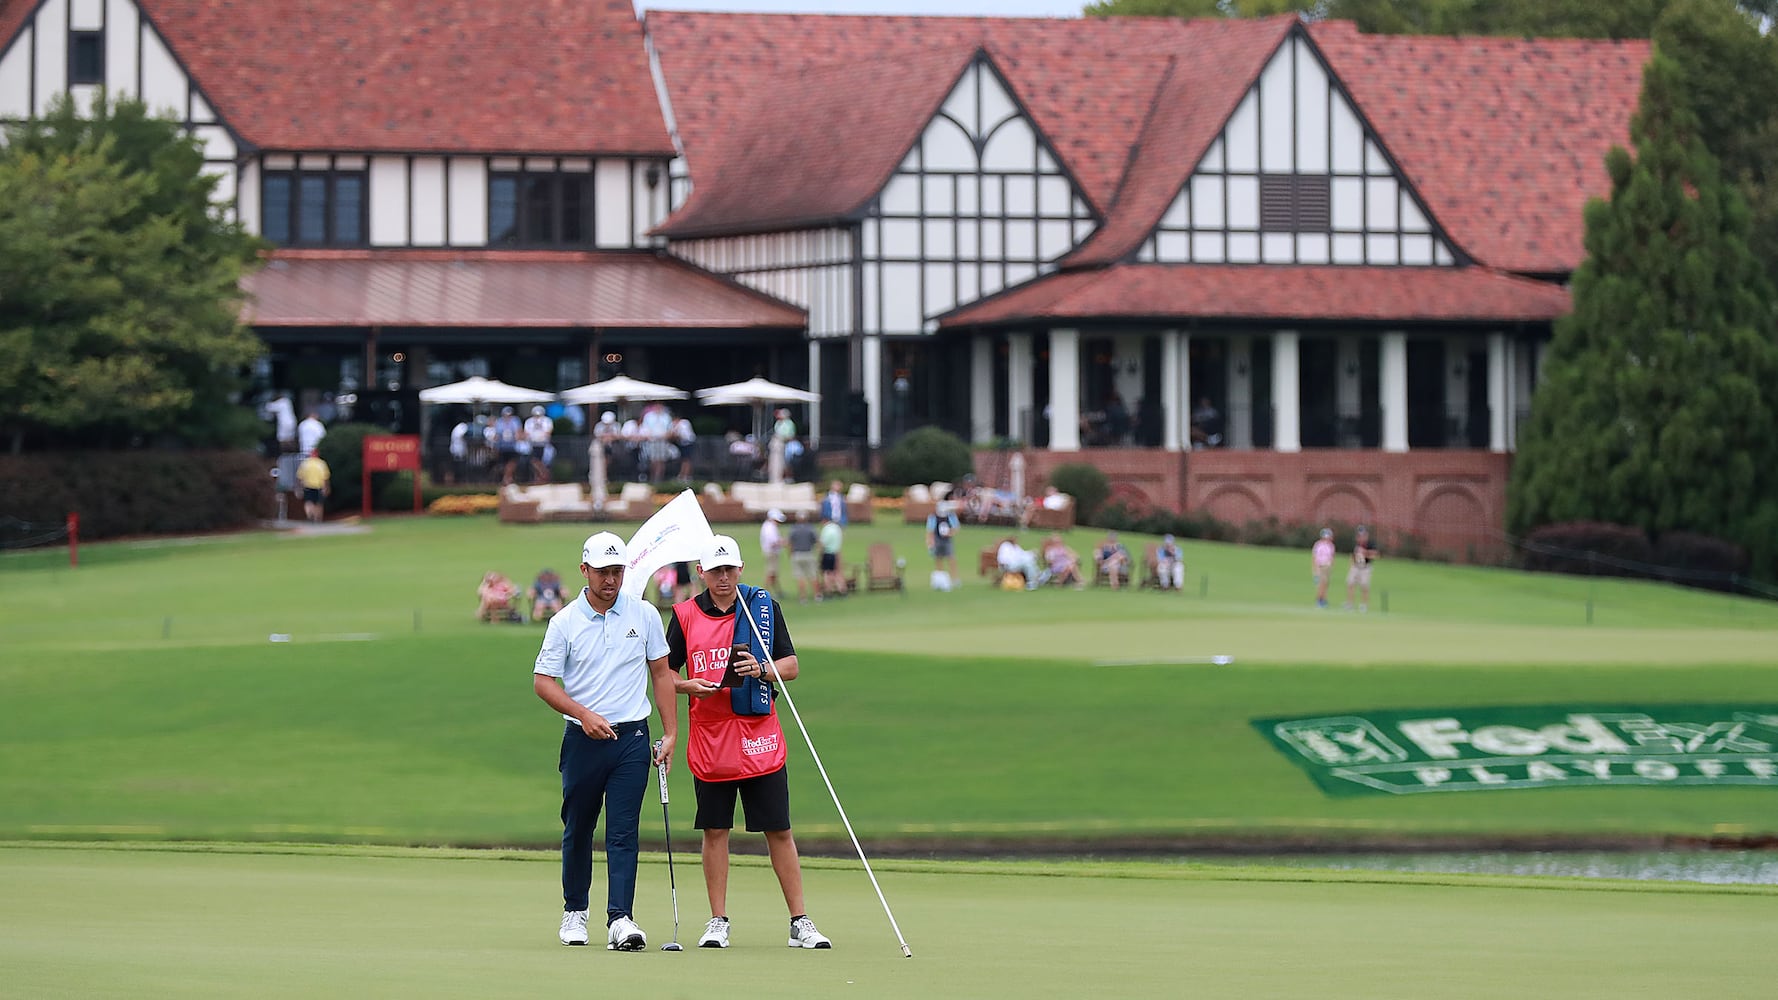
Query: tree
[[119, 284], [1531, 18], [1660, 390]]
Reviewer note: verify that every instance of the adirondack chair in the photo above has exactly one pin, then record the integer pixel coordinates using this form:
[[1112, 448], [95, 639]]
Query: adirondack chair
[[881, 572]]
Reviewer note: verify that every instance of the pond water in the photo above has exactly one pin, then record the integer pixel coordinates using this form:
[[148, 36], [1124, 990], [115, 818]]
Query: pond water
[[1714, 867]]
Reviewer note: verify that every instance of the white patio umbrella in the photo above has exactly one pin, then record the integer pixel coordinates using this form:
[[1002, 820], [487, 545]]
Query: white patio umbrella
[[759, 393], [476, 389], [619, 389]]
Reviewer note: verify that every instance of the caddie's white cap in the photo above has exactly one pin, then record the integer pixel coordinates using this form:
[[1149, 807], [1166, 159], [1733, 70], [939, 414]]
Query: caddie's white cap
[[721, 551], [604, 549], [775, 514]]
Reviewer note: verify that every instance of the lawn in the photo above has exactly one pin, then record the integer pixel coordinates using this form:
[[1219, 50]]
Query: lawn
[[144, 700]]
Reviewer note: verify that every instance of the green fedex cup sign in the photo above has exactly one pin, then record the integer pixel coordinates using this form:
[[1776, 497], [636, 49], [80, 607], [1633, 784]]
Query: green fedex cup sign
[[1474, 749]]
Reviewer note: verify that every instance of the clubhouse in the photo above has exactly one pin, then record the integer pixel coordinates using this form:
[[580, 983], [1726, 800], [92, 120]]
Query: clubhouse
[[1249, 267]]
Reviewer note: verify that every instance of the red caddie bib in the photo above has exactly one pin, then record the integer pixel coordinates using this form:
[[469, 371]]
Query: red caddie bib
[[723, 746]]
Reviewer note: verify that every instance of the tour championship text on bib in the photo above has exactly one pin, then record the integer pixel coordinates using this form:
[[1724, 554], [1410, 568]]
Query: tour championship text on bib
[[1478, 749], [723, 746]]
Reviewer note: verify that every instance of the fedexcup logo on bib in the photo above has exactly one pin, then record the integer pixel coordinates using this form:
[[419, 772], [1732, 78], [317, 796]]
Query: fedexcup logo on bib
[[1544, 746]]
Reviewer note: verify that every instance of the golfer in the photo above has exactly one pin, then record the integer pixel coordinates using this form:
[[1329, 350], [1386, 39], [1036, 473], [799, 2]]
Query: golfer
[[735, 755], [595, 667]]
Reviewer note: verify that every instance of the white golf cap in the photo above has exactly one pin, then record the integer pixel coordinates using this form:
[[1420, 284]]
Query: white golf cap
[[604, 549], [721, 551], [775, 514]]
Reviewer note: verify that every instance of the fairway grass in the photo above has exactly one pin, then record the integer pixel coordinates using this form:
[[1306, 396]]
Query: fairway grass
[[302, 922], [141, 698]]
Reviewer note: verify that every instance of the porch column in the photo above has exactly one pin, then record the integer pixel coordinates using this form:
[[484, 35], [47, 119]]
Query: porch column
[[1238, 421], [873, 390], [814, 384], [1018, 387], [981, 389], [1497, 392], [1174, 401], [1287, 429], [1064, 390], [1393, 390]]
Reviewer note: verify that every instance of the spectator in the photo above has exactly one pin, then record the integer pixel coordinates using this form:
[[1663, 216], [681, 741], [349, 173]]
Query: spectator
[[317, 483], [309, 433], [1054, 499], [1013, 559], [282, 413], [509, 441], [545, 595], [1117, 421], [1360, 574], [1321, 557], [771, 543], [941, 542], [684, 438], [1169, 564], [833, 504], [496, 594], [1063, 564], [784, 428], [1206, 430], [833, 584], [803, 563], [744, 454], [539, 428], [1113, 561]]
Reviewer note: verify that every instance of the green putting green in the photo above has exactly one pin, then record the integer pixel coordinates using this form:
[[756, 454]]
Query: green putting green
[[394, 923]]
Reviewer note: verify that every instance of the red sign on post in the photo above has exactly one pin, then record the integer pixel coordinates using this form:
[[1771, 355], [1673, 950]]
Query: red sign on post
[[391, 453]]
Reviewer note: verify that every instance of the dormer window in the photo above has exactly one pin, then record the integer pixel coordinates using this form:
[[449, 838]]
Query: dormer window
[[86, 57]]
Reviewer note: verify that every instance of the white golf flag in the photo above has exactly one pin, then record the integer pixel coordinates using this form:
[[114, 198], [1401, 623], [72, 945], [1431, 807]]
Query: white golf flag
[[677, 532]]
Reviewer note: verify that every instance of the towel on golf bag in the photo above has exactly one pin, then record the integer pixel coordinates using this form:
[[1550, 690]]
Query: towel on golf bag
[[753, 696]]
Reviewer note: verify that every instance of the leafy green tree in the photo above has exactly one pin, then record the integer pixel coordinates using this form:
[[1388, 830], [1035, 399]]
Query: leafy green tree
[[1660, 390], [119, 285], [1201, 8], [1541, 18]]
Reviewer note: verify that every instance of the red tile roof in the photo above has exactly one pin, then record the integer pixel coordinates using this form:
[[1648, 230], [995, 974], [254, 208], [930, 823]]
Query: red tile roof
[[1209, 72], [517, 76], [12, 18], [751, 91], [1271, 293], [471, 288], [1505, 138]]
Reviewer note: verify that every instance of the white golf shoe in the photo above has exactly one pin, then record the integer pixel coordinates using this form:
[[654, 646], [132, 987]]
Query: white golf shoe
[[804, 935], [573, 927], [715, 933], [624, 935]]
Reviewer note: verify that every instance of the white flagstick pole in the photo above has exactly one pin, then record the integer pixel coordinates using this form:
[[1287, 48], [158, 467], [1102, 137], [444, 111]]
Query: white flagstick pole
[[785, 689]]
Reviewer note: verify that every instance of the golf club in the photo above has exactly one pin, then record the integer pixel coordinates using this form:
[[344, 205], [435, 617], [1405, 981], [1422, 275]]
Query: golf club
[[667, 828]]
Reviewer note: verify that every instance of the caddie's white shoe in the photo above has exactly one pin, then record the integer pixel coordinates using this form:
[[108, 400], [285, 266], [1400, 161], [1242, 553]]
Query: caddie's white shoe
[[715, 933], [573, 927], [624, 935], [804, 935]]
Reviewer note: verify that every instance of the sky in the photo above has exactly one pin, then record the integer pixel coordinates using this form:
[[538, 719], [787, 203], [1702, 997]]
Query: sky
[[990, 8]]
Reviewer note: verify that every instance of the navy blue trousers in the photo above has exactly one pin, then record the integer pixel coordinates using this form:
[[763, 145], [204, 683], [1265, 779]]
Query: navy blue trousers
[[608, 774]]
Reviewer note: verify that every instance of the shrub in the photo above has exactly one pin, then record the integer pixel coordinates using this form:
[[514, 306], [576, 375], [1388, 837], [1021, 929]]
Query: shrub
[[1089, 488], [343, 451], [1701, 554], [138, 492], [928, 455], [1587, 547]]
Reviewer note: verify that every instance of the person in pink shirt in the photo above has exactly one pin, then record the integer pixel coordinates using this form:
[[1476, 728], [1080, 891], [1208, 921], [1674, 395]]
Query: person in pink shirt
[[1321, 558]]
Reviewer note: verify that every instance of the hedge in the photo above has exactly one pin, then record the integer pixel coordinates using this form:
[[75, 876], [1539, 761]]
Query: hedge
[[120, 493]]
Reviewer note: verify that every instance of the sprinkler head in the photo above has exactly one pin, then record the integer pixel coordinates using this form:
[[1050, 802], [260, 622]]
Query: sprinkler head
[[671, 946]]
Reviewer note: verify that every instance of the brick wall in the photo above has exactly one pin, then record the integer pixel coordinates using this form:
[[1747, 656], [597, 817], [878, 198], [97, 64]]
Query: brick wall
[[1454, 500]]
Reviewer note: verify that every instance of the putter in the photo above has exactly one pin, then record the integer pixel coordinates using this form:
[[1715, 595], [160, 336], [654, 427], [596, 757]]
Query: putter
[[667, 828]]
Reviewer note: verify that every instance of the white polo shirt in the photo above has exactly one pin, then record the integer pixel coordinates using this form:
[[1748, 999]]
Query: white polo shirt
[[602, 659]]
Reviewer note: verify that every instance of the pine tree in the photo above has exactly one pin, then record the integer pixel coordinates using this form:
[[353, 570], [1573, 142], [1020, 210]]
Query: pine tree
[[1659, 392]]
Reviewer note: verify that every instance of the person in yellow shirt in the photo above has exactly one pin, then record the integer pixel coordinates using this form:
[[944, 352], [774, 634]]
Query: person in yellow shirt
[[317, 482]]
